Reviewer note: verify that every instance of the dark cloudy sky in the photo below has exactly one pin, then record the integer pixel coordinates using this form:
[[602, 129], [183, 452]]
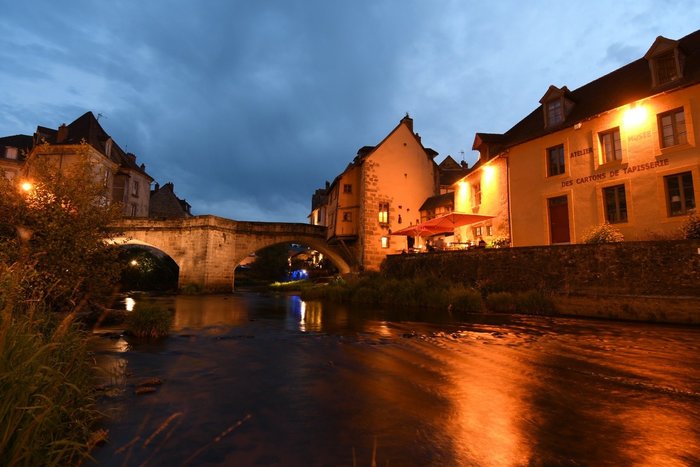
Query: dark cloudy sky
[[248, 106]]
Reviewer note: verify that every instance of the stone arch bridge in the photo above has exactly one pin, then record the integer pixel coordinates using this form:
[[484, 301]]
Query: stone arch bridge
[[207, 249]]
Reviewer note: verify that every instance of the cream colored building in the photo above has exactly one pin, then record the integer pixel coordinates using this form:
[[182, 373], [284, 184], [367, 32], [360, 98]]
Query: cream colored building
[[381, 191], [621, 149]]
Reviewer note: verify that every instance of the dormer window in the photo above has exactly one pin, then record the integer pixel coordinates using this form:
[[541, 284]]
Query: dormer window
[[665, 61], [556, 106]]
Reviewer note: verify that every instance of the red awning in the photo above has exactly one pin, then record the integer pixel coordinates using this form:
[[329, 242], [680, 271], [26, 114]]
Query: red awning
[[442, 224]]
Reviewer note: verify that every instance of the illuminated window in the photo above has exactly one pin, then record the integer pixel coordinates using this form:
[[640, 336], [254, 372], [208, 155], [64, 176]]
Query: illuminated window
[[615, 204], [347, 216], [611, 146], [555, 112], [680, 196], [478, 231], [555, 160], [11, 153], [135, 188], [383, 213], [476, 194], [347, 188], [385, 242], [489, 230], [672, 128]]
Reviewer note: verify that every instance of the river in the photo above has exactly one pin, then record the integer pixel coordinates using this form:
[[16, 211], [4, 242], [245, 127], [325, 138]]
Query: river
[[271, 380]]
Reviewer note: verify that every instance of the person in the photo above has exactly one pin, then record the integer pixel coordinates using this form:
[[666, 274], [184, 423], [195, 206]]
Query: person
[[429, 246], [482, 243]]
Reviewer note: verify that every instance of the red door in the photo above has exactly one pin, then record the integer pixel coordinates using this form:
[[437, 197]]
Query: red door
[[559, 219]]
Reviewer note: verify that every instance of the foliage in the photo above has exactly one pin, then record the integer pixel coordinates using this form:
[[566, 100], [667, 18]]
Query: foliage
[[146, 270], [534, 302], [271, 263], [47, 383], [603, 233], [501, 302], [499, 242], [465, 300], [58, 227], [691, 227], [149, 322]]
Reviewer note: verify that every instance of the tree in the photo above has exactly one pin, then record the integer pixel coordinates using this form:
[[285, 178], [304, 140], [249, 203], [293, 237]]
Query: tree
[[55, 224]]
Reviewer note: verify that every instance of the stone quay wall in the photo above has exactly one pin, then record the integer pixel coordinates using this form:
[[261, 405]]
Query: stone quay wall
[[648, 281]]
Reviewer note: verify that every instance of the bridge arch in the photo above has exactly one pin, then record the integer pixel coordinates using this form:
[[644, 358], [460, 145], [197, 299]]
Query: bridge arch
[[208, 248]]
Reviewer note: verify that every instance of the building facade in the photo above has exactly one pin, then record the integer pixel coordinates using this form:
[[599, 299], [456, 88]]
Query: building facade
[[381, 191], [620, 150]]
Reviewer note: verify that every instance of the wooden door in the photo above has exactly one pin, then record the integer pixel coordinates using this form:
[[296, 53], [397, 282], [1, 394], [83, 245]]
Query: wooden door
[[558, 220]]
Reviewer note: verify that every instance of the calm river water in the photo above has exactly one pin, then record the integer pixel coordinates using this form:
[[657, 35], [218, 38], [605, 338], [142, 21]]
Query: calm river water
[[257, 380]]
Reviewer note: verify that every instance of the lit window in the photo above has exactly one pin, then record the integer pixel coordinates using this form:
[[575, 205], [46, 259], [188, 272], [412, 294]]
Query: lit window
[[347, 188], [476, 194], [615, 204], [489, 230], [555, 160], [347, 216], [611, 146], [680, 196], [383, 213], [555, 113], [672, 128], [11, 153], [385, 242], [478, 231], [135, 188]]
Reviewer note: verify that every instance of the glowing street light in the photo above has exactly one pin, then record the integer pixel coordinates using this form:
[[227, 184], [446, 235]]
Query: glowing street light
[[133, 262], [26, 186], [635, 115]]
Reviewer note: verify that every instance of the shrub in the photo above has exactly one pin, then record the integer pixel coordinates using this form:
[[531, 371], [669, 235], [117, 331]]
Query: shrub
[[465, 300], [499, 242], [534, 302], [604, 233], [501, 302], [149, 322], [691, 227]]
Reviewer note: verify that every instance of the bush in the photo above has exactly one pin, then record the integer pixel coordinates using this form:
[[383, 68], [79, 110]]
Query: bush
[[534, 302], [149, 322], [499, 242], [465, 300], [691, 227], [501, 302], [604, 233]]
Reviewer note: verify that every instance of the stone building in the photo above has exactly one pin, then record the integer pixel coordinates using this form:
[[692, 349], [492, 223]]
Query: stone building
[[621, 149], [165, 203], [380, 191], [13, 153]]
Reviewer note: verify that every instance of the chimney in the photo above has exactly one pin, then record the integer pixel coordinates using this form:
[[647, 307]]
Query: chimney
[[157, 187], [62, 134], [464, 165]]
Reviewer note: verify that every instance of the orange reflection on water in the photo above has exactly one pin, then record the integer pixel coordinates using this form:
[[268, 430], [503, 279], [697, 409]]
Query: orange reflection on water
[[490, 411], [207, 311]]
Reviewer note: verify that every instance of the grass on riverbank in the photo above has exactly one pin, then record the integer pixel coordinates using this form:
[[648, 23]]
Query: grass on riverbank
[[47, 385], [149, 322], [377, 289]]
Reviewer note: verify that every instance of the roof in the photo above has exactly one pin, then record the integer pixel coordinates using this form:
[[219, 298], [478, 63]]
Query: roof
[[22, 142], [88, 128], [445, 199], [627, 84]]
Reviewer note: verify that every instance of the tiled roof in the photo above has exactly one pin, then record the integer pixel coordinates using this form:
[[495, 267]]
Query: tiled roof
[[620, 87]]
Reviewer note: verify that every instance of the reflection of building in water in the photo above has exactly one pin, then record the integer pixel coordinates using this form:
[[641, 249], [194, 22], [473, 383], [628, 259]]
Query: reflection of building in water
[[304, 316]]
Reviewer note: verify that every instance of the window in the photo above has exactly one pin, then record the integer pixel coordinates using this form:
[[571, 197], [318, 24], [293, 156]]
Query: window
[[610, 146], [385, 242], [133, 210], [347, 216], [105, 180], [11, 153], [347, 188], [555, 160], [476, 194], [615, 204], [135, 188], [383, 213], [672, 128], [680, 195], [489, 230], [555, 113], [478, 231], [666, 70]]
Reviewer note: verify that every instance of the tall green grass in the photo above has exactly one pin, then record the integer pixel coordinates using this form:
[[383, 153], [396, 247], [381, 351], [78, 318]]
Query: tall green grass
[[47, 396]]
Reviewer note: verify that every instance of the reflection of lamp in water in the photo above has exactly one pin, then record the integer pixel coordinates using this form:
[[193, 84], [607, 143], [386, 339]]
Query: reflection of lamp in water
[[129, 303], [302, 313]]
